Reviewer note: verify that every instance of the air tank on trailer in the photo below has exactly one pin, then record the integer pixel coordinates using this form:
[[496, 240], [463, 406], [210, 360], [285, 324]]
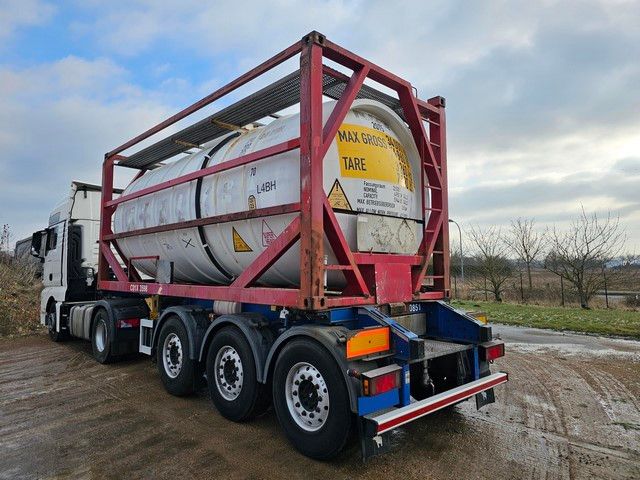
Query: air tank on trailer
[[371, 176]]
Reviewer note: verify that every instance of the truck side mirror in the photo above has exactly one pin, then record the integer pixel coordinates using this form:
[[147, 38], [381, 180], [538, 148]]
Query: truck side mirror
[[89, 275], [37, 244]]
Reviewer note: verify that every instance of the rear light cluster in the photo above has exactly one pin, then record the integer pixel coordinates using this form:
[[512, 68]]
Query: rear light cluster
[[379, 380], [491, 350], [128, 323]]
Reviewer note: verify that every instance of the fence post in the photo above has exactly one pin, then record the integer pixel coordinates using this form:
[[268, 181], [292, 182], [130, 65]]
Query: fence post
[[561, 291], [486, 299], [606, 292]]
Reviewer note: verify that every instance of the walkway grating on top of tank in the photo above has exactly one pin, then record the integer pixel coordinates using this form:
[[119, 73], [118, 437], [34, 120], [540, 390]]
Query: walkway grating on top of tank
[[267, 101]]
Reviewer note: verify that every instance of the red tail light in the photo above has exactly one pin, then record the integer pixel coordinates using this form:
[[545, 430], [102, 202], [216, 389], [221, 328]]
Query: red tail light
[[491, 350], [128, 323], [381, 380]]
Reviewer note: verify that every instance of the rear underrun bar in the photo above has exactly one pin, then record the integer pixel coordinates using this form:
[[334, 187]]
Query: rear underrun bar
[[379, 424]]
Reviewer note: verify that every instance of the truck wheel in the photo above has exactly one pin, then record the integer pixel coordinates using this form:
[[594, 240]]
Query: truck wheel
[[101, 335], [232, 378], [53, 335], [311, 399], [177, 369]]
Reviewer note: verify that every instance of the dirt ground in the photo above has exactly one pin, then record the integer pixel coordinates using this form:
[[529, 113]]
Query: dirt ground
[[570, 410]]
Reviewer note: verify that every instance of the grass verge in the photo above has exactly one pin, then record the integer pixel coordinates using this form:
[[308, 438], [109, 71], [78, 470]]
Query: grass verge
[[19, 299], [597, 321]]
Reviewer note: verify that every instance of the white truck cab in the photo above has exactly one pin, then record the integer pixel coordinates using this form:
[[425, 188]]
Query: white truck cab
[[68, 248]]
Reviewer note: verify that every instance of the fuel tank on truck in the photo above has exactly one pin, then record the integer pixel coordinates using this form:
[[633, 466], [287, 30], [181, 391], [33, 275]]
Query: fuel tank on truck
[[371, 176]]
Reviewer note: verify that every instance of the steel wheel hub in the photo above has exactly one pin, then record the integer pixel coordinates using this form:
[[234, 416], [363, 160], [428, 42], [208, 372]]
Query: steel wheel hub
[[229, 373], [307, 396], [172, 355], [101, 335]]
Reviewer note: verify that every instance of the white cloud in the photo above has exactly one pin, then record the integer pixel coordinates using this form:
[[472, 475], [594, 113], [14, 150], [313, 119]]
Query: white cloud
[[22, 13], [209, 28], [56, 121], [65, 77]]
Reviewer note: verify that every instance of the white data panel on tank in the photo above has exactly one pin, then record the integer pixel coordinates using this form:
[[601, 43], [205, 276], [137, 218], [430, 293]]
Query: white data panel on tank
[[381, 234], [372, 167]]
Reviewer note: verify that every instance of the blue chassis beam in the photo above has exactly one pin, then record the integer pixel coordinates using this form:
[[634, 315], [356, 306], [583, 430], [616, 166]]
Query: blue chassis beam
[[444, 323]]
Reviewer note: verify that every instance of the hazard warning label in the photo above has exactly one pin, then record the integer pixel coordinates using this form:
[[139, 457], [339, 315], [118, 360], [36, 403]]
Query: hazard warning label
[[239, 245], [267, 234], [337, 197], [373, 155]]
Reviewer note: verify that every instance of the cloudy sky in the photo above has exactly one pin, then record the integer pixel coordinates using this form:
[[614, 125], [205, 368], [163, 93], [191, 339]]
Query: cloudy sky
[[543, 98]]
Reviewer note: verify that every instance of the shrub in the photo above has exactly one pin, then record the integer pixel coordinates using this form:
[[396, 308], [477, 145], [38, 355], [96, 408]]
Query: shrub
[[19, 297]]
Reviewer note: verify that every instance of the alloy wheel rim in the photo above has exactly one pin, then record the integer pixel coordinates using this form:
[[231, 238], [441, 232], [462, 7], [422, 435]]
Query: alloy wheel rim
[[172, 355], [229, 373], [101, 336], [307, 396]]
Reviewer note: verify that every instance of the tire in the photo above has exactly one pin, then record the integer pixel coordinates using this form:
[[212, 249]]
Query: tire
[[176, 368], [53, 335], [232, 378], [101, 335], [320, 425]]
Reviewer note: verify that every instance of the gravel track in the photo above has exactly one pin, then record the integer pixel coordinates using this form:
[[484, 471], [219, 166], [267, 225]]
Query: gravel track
[[570, 410]]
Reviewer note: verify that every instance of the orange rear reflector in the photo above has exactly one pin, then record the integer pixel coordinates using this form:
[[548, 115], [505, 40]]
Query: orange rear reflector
[[480, 316], [366, 342]]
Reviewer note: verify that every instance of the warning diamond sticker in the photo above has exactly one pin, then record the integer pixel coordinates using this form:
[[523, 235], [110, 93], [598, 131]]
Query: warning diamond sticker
[[267, 234]]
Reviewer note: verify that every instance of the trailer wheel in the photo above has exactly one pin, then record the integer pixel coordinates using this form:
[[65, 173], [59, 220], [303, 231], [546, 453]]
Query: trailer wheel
[[232, 378], [101, 335], [177, 369], [311, 399], [51, 321]]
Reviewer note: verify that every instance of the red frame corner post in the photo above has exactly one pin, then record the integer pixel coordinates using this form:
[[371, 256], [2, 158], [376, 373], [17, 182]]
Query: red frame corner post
[[311, 178], [438, 140]]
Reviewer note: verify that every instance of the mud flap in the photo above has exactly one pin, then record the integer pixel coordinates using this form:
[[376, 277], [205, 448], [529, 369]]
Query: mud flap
[[485, 398], [373, 445]]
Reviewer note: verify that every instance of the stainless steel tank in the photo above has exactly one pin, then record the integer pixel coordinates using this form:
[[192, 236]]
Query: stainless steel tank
[[371, 176]]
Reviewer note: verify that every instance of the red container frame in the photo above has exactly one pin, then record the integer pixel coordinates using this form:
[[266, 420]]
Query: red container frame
[[372, 278]]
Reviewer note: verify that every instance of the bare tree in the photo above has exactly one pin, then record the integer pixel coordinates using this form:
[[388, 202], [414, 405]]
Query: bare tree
[[5, 250], [490, 259], [580, 254], [5, 238], [526, 243]]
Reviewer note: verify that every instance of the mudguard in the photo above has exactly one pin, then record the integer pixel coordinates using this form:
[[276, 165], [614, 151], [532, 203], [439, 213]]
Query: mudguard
[[195, 321], [253, 326], [124, 340], [333, 339]]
